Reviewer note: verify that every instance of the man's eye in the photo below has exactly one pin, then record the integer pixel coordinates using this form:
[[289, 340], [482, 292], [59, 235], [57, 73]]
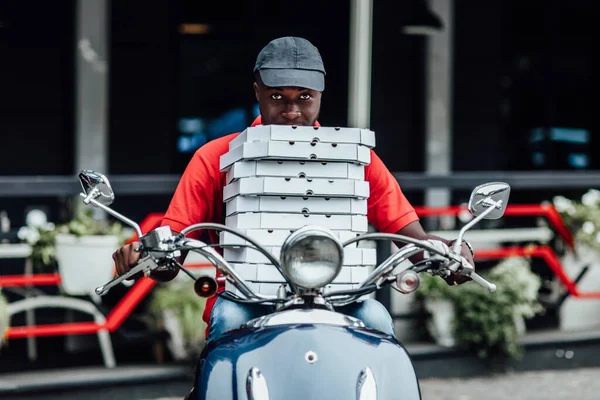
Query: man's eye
[[276, 96], [305, 96]]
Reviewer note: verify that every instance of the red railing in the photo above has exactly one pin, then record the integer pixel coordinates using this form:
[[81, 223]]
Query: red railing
[[30, 280], [544, 252], [548, 211], [114, 319], [549, 256], [143, 286]]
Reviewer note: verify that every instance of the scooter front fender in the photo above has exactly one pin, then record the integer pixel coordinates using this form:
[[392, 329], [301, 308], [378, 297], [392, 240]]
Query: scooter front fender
[[306, 361]]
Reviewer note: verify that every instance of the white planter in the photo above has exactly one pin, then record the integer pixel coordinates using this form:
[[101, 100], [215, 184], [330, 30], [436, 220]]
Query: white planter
[[85, 263], [4, 318], [405, 329], [520, 325], [440, 324], [175, 343], [180, 347], [578, 314], [442, 316]]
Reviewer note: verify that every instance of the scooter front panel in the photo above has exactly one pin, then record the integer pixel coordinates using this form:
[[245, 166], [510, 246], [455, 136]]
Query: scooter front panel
[[306, 362]]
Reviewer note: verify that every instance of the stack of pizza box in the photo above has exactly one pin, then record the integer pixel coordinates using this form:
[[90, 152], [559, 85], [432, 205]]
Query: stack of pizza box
[[281, 178]]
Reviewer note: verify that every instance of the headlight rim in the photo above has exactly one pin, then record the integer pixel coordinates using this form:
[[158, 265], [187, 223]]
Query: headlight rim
[[296, 237]]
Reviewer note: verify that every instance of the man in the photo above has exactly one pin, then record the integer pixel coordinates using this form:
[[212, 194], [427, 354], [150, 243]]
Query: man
[[290, 79]]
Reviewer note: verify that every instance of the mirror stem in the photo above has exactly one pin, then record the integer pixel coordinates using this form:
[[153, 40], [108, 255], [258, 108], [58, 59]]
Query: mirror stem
[[112, 212], [458, 243], [91, 196]]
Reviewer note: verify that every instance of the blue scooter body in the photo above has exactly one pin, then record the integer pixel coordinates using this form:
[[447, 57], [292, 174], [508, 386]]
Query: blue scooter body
[[282, 354]]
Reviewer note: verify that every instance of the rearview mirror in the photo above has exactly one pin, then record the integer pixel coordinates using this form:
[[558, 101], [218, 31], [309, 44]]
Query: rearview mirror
[[96, 186], [490, 194]]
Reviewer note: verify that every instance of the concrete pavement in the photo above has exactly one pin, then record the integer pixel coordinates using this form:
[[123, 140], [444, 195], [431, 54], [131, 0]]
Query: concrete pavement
[[580, 384]]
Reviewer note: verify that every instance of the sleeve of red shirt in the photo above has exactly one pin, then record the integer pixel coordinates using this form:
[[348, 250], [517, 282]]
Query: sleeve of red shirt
[[388, 209], [193, 199]]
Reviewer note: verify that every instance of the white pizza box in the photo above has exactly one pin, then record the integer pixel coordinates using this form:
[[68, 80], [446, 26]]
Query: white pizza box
[[352, 256], [267, 273], [248, 255], [339, 286], [273, 186], [360, 256], [275, 237], [266, 289], [302, 205], [230, 287], [357, 223], [298, 151], [352, 274], [335, 287], [270, 289], [296, 169], [248, 272], [310, 134], [348, 274]]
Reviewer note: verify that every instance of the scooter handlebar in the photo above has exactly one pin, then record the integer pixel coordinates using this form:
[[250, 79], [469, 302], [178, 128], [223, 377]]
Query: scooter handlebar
[[478, 279]]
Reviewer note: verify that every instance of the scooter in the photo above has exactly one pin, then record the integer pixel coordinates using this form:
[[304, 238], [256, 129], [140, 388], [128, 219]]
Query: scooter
[[303, 350]]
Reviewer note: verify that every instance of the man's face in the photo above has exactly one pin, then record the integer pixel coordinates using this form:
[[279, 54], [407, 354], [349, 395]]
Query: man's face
[[287, 105]]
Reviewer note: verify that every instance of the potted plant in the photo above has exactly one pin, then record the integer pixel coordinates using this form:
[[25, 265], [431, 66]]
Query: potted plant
[[40, 236], [582, 217], [438, 300], [4, 319], [487, 323], [80, 249], [180, 311]]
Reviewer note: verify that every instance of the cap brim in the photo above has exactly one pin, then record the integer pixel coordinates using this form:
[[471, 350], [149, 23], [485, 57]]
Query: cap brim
[[279, 77]]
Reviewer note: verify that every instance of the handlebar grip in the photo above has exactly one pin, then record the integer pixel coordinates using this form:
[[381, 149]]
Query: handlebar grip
[[488, 285]]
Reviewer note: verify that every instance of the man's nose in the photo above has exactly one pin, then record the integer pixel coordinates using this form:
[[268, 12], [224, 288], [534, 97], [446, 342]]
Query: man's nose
[[291, 112]]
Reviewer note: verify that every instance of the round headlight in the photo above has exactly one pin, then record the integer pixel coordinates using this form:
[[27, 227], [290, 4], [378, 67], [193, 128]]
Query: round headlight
[[312, 257]]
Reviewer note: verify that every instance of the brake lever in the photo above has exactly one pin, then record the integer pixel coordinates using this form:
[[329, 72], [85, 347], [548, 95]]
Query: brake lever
[[468, 270], [449, 261], [488, 285], [147, 263]]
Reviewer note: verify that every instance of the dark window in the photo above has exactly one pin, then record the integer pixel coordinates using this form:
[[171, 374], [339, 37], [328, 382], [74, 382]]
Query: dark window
[[36, 87]]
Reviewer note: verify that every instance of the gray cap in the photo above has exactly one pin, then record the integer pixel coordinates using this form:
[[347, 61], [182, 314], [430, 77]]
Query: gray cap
[[291, 61]]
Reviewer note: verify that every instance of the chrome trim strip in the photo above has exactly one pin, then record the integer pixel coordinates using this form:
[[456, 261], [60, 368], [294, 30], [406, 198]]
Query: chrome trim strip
[[256, 385], [366, 387], [306, 316]]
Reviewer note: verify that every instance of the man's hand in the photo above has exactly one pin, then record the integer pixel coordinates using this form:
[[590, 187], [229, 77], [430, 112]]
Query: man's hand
[[455, 278], [126, 258], [415, 230]]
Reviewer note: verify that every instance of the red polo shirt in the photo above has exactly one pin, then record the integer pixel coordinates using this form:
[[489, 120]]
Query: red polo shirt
[[199, 195]]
